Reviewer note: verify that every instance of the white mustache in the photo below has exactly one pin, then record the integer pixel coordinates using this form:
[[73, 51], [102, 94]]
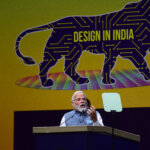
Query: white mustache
[[82, 105], [79, 108]]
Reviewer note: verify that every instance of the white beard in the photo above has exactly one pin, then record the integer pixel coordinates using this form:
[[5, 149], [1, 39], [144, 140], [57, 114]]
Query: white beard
[[80, 109]]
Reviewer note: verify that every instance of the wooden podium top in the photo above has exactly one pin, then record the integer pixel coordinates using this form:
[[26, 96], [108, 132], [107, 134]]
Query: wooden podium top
[[98, 129]]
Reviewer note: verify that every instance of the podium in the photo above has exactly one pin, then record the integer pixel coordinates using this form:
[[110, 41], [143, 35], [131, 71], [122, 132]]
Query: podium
[[83, 138]]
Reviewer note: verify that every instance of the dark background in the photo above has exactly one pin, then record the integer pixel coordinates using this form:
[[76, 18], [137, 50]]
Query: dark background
[[134, 120]]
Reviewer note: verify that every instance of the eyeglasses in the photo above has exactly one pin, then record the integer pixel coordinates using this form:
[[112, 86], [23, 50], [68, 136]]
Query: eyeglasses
[[83, 98]]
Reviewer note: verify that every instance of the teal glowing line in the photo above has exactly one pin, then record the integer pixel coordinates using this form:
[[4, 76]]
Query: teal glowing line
[[66, 84], [77, 87], [89, 85], [57, 82], [129, 77], [34, 85], [136, 74], [119, 78], [95, 84], [25, 84], [98, 78]]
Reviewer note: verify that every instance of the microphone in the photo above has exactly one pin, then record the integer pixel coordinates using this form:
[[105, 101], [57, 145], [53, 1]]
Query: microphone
[[88, 103], [68, 119]]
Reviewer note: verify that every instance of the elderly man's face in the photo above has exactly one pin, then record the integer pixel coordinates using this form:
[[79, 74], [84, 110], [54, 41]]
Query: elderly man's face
[[80, 102]]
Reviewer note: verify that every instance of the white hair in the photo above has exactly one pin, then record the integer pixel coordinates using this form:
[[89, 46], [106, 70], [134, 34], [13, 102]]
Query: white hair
[[75, 93]]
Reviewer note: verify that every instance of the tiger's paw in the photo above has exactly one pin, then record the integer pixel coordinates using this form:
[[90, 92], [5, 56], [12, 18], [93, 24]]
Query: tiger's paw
[[146, 78], [108, 81], [48, 83]]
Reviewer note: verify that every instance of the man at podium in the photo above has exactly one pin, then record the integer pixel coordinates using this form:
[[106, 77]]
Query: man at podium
[[83, 114]]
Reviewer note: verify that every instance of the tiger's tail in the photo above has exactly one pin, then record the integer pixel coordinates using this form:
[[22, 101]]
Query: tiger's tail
[[28, 60]]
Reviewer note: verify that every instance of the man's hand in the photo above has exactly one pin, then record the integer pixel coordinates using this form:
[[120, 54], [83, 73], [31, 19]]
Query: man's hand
[[92, 113]]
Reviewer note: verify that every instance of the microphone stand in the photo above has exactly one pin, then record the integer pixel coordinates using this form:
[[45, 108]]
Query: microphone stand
[[68, 119]]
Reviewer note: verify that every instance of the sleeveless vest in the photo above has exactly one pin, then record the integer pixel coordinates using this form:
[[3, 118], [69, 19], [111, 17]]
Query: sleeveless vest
[[76, 118]]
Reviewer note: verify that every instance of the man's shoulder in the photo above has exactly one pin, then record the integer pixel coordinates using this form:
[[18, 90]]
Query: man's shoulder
[[70, 113]]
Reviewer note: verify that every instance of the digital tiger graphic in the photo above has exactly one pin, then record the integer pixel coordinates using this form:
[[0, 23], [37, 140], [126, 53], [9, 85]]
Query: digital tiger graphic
[[124, 33]]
